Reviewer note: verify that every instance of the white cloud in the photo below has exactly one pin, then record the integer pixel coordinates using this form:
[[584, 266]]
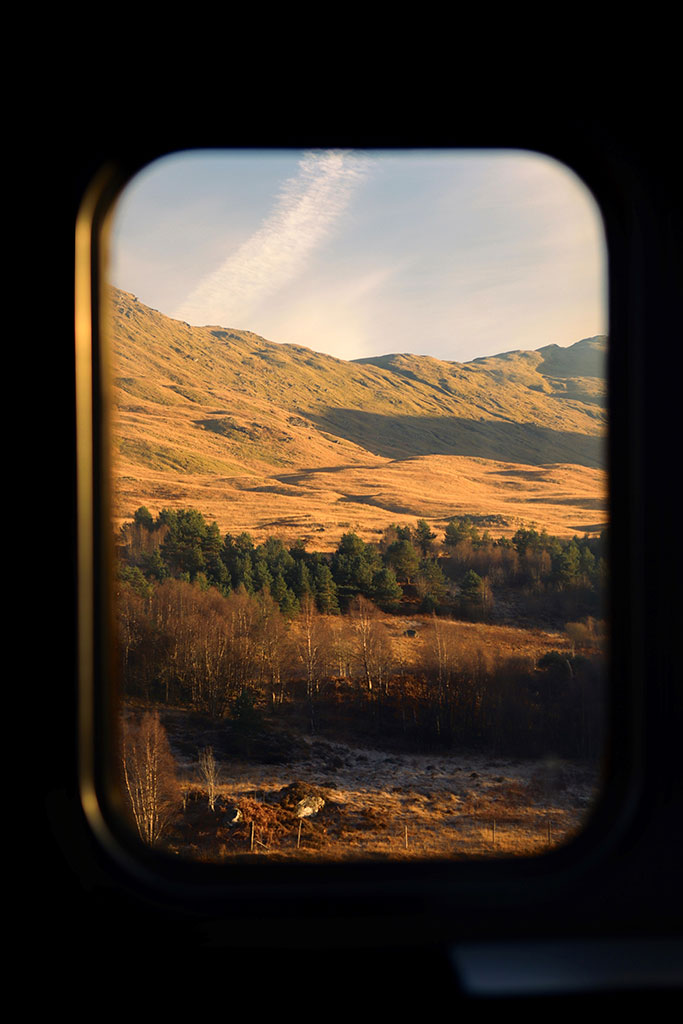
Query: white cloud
[[337, 313], [305, 212]]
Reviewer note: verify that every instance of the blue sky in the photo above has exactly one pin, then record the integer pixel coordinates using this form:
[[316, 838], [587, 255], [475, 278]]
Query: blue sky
[[454, 254]]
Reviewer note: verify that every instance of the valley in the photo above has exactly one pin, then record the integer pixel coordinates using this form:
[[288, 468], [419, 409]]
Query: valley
[[375, 585]]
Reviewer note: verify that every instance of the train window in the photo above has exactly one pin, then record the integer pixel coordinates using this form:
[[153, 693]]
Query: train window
[[352, 420]]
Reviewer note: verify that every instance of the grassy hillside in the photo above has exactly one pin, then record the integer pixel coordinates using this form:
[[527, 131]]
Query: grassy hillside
[[265, 437]]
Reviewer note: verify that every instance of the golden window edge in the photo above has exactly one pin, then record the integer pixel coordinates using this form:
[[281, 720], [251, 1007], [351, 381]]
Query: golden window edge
[[92, 471]]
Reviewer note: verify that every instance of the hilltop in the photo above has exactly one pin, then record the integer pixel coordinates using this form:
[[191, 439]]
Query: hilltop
[[271, 437]]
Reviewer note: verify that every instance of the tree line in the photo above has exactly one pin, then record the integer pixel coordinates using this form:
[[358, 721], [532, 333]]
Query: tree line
[[231, 650], [406, 566], [241, 633], [234, 656]]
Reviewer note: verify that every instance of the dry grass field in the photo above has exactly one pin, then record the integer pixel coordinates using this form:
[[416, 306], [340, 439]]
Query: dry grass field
[[321, 504]]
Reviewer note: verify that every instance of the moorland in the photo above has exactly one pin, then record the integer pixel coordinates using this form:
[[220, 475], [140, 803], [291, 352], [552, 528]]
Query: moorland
[[359, 604]]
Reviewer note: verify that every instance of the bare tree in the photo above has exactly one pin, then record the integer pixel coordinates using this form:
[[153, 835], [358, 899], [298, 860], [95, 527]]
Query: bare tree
[[242, 620], [271, 645], [341, 646], [148, 770], [174, 607], [209, 772], [207, 654], [373, 646], [438, 651], [313, 644]]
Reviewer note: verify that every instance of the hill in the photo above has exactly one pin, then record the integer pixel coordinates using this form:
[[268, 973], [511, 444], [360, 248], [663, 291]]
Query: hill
[[277, 438]]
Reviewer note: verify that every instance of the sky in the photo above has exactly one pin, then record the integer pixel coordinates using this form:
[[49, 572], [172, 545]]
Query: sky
[[453, 254]]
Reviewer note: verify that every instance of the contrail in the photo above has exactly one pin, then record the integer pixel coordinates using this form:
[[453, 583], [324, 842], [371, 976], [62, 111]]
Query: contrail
[[306, 209]]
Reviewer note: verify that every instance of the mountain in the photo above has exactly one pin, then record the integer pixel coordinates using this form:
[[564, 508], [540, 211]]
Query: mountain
[[266, 437]]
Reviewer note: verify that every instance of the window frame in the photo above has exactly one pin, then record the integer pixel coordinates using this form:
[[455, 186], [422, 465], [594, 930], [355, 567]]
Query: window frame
[[442, 885]]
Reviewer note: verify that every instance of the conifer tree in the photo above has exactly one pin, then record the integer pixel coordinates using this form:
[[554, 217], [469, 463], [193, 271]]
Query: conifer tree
[[325, 590], [403, 559], [386, 590], [302, 583], [423, 537]]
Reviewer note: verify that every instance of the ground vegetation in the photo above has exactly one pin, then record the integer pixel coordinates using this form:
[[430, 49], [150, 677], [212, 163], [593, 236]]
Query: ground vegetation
[[411, 646]]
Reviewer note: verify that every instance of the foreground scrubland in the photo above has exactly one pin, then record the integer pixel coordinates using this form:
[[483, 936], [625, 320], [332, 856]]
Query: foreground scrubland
[[300, 796], [414, 698]]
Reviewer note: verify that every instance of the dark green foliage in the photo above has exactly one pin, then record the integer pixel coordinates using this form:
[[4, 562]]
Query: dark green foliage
[[143, 517], [386, 590], [471, 586], [302, 583], [458, 530], [587, 563], [325, 590], [431, 584], [136, 580], [237, 554], [261, 574], [525, 539], [216, 571], [402, 557], [559, 579], [182, 548], [153, 566], [298, 550], [351, 546], [566, 565], [423, 537], [276, 556], [284, 596], [354, 565]]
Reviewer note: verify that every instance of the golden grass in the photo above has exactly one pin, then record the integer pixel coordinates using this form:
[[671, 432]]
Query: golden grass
[[322, 505], [318, 445]]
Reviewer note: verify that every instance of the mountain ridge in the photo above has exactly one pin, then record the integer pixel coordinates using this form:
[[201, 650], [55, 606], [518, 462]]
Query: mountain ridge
[[197, 409]]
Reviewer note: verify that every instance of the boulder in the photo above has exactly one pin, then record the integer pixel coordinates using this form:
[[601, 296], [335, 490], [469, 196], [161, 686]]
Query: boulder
[[231, 815], [308, 806], [302, 798]]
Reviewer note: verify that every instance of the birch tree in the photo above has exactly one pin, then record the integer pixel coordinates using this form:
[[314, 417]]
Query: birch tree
[[373, 647], [209, 773], [313, 644], [148, 769]]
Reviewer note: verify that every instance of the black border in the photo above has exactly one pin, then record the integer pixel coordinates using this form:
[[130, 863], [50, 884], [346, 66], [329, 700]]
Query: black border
[[626, 882]]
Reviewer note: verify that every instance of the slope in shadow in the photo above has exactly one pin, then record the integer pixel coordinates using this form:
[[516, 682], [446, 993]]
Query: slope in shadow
[[397, 437]]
